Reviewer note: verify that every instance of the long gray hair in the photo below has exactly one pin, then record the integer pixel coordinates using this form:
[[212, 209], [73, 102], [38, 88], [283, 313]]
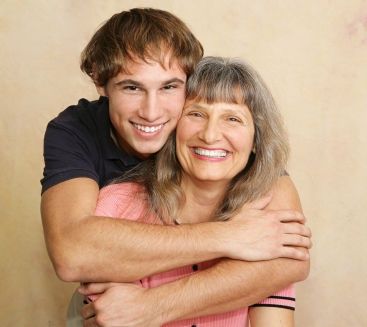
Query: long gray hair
[[228, 80]]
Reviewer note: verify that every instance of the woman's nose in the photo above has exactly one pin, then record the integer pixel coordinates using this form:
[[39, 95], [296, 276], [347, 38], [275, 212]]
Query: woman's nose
[[210, 132]]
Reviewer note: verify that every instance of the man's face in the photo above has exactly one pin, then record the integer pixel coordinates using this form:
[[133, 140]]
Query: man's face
[[145, 104]]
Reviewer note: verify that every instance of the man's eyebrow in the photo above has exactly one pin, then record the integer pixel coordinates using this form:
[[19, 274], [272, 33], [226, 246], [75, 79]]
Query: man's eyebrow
[[174, 80], [136, 83], [128, 82]]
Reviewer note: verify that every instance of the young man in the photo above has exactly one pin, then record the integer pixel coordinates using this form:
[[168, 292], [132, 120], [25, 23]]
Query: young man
[[139, 61]]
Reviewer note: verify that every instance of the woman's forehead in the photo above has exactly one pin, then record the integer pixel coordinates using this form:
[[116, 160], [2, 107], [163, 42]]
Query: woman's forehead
[[218, 93]]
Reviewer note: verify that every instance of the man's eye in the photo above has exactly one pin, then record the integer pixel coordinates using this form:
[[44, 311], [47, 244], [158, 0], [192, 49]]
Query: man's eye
[[131, 88], [169, 87]]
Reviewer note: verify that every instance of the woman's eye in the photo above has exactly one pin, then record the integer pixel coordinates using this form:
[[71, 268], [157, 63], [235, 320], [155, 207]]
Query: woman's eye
[[195, 114], [235, 119]]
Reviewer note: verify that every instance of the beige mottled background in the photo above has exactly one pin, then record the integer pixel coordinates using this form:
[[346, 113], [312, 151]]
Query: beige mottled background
[[312, 53]]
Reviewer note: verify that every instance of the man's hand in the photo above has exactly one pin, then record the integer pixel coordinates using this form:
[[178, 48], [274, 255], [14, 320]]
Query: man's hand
[[119, 304], [257, 233], [227, 286]]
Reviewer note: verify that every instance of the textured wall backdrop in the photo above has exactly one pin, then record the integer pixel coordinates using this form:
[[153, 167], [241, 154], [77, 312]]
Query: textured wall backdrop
[[313, 54]]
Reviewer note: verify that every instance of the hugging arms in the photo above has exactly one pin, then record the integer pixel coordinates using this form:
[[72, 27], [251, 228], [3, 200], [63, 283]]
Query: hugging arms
[[138, 109]]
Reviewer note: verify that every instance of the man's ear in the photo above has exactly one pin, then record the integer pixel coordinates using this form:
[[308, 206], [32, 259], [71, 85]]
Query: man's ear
[[101, 90]]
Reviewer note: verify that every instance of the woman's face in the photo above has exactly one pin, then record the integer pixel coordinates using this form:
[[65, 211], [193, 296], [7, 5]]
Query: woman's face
[[214, 141]]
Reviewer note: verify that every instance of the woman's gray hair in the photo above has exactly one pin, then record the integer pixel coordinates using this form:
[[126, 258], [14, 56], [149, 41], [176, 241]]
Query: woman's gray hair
[[227, 80]]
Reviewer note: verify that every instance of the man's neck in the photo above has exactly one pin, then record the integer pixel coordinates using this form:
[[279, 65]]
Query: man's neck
[[123, 146]]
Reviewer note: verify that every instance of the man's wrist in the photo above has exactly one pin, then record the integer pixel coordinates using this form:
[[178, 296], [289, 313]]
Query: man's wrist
[[212, 237], [221, 242]]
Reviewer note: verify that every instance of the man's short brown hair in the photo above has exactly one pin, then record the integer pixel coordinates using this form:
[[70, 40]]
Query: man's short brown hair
[[140, 33]]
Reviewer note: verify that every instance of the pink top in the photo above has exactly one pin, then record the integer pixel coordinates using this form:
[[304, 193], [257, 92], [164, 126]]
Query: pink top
[[128, 201]]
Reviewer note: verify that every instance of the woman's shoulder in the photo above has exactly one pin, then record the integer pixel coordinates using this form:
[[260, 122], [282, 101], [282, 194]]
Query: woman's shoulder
[[122, 190], [122, 200]]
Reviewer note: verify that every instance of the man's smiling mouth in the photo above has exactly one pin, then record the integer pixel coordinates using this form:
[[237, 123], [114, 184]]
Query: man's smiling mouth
[[148, 129]]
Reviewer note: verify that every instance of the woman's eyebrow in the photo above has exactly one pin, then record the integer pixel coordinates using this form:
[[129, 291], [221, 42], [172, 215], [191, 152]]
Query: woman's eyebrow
[[195, 106], [234, 112]]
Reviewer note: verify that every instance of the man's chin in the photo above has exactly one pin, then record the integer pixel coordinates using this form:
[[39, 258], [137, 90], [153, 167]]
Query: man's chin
[[145, 152]]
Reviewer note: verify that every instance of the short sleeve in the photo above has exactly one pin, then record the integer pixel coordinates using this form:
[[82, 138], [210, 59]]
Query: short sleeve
[[66, 154], [285, 298], [125, 201]]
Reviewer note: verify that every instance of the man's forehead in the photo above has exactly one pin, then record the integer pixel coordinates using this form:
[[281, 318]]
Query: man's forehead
[[149, 74], [165, 59]]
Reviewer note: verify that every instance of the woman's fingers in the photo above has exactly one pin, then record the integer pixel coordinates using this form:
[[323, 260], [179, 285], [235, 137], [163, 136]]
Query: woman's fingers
[[91, 322], [87, 311]]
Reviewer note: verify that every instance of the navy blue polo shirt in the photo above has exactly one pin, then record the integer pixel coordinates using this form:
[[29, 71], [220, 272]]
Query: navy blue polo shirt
[[78, 143]]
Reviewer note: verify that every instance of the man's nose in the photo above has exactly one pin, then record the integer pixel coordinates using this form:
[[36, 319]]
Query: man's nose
[[150, 108]]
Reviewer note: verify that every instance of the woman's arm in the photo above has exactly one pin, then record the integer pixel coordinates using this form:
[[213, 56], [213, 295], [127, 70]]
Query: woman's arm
[[276, 310], [271, 316]]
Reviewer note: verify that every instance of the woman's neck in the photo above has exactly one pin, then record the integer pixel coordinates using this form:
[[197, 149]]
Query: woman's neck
[[201, 200]]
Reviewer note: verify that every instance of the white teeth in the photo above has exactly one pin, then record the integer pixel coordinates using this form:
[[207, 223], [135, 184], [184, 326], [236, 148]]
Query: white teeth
[[211, 153], [148, 129]]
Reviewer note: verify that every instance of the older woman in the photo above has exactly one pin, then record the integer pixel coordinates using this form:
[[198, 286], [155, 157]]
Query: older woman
[[229, 149]]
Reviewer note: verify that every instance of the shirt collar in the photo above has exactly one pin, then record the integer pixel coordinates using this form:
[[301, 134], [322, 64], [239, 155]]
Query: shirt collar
[[110, 148]]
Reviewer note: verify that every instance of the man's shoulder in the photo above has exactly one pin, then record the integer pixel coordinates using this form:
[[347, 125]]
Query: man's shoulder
[[87, 120], [75, 143], [85, 112]]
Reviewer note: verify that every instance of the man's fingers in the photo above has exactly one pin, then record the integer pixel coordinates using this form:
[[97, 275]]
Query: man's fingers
[[295, 253], [297, 228], [289, 215], [297, 240], [93, 288]]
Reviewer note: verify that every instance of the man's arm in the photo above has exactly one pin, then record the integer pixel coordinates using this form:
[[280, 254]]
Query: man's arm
[[86, 248], [222, 288], [231, 284], [227, 286]]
